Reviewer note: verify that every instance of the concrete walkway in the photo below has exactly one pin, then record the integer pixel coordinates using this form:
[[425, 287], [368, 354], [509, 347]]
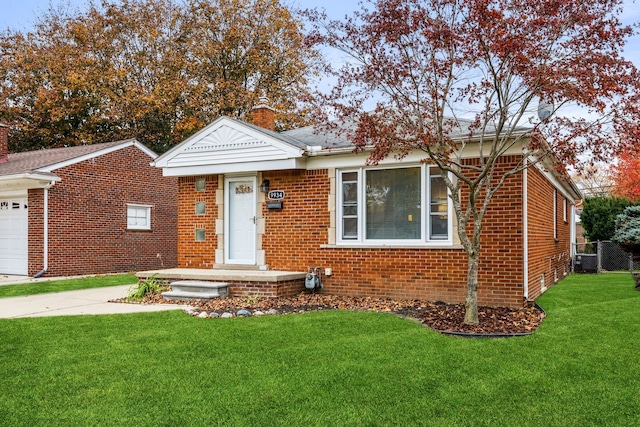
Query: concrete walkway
[[69, 303]]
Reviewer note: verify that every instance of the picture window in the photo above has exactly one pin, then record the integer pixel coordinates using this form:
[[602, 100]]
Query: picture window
[[403, 204]]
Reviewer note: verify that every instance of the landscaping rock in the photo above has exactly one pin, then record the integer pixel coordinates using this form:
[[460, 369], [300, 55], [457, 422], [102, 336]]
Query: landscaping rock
[[213, 315], [243, 313], [226, 315], [258, 313], [203, 315]]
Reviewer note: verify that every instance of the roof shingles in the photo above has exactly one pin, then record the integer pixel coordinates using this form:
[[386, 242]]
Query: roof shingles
[[33, 161]]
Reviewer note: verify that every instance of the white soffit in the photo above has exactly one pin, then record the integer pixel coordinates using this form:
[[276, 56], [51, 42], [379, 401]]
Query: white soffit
[[227, 142], [26, 181]]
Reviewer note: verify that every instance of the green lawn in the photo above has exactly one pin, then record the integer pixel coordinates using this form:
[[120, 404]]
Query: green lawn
[[33, 288], [328, 368]]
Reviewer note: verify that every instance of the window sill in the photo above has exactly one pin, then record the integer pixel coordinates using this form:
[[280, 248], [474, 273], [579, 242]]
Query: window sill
[[448, 246], [139, 229]]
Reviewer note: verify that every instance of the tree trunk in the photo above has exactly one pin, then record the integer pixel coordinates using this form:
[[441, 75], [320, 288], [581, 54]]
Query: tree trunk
[[471, 300]]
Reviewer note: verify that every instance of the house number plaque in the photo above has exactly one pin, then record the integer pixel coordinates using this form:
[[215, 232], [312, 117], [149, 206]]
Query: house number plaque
[[276, 195]]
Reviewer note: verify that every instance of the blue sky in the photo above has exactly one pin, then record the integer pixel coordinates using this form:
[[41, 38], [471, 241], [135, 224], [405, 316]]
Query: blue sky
[[21, 14]]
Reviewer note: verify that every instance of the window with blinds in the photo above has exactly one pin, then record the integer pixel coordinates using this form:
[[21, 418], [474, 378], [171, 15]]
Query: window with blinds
[[401, 204]]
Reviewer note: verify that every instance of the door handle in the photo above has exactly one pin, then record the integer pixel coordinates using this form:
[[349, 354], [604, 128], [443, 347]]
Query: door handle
[[254, 219]]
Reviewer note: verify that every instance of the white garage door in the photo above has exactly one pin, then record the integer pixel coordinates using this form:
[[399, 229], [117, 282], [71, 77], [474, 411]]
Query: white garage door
[[13, 236]]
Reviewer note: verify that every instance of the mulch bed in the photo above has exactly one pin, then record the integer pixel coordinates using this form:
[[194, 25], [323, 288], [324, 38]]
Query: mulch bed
[[447, 318]]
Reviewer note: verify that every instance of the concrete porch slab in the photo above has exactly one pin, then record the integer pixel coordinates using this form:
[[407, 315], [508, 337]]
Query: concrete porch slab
[[267, 283], [222, 275]]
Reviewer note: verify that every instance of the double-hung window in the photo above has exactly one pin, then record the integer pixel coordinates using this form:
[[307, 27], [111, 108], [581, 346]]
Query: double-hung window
[[401, 205]]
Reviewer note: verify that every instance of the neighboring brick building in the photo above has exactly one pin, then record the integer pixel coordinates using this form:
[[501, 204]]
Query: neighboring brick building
[[387, 230], [88, 209]]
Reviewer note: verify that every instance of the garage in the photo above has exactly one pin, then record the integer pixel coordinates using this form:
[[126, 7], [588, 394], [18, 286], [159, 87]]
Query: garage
[[14, 236]]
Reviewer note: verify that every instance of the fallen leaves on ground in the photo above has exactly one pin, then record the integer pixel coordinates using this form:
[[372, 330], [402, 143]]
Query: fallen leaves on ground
[[440, 316]]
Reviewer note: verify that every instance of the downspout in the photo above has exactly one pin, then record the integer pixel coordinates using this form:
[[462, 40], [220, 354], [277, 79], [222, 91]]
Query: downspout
[[573, 231], [45, 234], [525, 226]]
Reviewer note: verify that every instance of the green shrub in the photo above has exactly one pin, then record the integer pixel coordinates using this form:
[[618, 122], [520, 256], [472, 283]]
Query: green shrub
[[151, 285], [599, 214], [627, 232]]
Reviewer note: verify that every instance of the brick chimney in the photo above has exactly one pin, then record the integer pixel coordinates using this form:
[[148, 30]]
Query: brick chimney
[[263, 115], [4, 143]]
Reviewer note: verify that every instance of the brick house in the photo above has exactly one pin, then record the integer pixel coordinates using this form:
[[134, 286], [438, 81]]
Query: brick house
[[364, 225], [88, 209]]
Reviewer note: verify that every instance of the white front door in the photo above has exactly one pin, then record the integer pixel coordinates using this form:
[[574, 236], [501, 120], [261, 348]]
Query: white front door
[[240, 220], [14, 241]]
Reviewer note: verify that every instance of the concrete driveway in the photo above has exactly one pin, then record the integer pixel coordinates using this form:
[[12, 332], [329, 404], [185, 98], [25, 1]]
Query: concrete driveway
[[81, 302]]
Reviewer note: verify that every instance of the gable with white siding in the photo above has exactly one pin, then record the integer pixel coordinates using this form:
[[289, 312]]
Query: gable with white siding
[[227, 146]]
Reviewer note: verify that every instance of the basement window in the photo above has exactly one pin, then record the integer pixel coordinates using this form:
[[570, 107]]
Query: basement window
[[200, 237], [138, 217]]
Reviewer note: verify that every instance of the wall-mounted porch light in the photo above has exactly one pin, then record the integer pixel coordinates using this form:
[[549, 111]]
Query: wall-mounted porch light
[[264, 187]]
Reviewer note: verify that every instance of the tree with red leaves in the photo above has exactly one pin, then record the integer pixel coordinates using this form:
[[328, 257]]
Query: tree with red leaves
[[626, 176], [425, 64]]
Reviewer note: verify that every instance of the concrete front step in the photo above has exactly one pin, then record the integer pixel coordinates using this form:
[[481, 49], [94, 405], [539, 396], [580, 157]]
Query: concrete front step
[[185, 290]]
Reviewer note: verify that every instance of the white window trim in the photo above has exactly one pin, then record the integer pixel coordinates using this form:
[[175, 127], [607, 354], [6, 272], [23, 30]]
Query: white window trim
[[361, 241], [339, 210], [148, 212]]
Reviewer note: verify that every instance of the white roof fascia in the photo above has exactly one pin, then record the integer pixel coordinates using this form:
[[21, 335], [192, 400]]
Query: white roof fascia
[[32, 176], [570, 193], [149, 152], [469, 152], [347, 158], [298, 163], [99, 153], [164, 160], [27, 181]]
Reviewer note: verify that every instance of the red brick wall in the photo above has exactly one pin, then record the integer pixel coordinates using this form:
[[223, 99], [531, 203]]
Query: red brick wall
[[36, 231], [192, 254], [287, 288], [501, 275], [431, 274], [264, 117], [296, 237], [547, 255], [88, 217], [392, 272], [301, 225]]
